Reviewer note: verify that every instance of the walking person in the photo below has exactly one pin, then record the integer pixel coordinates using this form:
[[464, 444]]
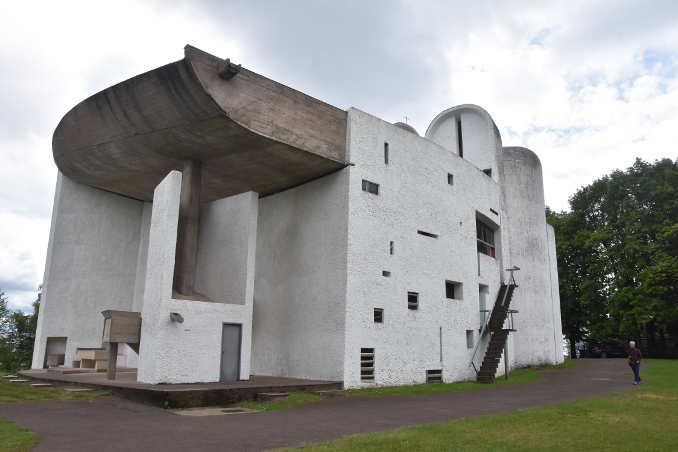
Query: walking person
[[580, 349], [634, 361]]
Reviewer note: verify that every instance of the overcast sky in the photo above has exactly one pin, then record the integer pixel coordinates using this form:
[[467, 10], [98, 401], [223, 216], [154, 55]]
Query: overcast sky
[[587, 85]]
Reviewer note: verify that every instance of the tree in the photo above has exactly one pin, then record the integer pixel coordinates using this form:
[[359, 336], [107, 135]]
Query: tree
[[17, 335], [618, 259]]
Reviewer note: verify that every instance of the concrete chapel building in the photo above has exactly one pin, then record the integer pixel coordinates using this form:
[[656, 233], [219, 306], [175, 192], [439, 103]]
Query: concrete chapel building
[[245, 228]]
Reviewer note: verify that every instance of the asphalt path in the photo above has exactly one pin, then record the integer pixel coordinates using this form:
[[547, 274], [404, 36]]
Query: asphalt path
[[113, 424]]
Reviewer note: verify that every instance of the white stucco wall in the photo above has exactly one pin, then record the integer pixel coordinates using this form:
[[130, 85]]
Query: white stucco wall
[[558, 352], [525, 223], [299, 299], [91, 265], [226, 235], [413, 195], [188, 352]]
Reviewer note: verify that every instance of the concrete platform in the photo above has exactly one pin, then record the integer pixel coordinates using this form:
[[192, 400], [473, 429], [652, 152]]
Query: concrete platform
[[182, 395]]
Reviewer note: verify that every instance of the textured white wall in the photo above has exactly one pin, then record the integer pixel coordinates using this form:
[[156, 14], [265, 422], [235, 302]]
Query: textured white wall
[[299, 300], [91, 265], [558, 351], [221, 273], [191, 351], [534, 342], [414, 195]]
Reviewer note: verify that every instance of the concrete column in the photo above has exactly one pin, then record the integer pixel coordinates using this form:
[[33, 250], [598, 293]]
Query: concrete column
[[112, 360], [187, 236]]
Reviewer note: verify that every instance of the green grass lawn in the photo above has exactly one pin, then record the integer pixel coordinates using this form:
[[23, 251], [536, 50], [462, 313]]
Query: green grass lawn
[[294, 399], [14, 438], [645, 418]]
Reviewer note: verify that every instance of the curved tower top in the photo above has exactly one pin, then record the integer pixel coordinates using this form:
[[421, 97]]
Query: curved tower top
[[469, 131]]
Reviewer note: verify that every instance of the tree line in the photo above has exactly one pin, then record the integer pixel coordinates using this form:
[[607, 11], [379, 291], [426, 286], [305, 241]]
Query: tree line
[[617, 252], [17, 334]]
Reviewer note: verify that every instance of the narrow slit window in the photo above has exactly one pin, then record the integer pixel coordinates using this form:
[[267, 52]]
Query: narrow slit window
[[460, 138], [453, 290], [378, 315], [450, 179], [469, 339], [367, 364], [391, 247], [370, 187], [427, 234], [494, 212], [385, 153], [413, 301]]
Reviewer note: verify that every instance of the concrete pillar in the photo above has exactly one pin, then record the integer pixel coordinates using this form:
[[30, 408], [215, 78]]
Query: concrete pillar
[[187, 236], [112, 360]]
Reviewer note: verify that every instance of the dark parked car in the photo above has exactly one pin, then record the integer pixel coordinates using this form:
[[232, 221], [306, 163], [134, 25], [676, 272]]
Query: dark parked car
[[609, 349]]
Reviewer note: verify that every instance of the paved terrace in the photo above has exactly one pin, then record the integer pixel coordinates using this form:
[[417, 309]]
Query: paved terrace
[[112, 424], [181, 395]]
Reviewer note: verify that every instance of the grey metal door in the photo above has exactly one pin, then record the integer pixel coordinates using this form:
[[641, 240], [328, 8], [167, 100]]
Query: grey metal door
[[230, 352]]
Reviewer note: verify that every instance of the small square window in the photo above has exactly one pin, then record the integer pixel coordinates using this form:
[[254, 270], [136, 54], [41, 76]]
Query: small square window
[[450, 179], [370, 187], [469, 339], [378, 315], [413, 300], [453, 290], [386, 273], [488, 171]]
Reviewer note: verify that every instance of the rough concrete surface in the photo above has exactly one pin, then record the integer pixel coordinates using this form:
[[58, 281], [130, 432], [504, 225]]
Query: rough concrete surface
[[111, 424]]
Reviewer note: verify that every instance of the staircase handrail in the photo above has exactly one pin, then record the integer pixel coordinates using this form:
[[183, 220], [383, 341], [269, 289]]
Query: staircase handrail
[[483, 328]]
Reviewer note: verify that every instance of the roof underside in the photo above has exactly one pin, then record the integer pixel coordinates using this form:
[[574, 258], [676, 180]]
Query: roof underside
[[249, 132]]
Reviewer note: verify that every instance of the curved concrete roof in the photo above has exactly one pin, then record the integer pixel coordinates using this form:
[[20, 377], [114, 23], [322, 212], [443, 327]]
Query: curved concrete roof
[[443, 115], [406, 126], [249, 132]]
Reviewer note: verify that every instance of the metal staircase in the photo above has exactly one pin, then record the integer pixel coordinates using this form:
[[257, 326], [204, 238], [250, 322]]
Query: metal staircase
[[501, 312]]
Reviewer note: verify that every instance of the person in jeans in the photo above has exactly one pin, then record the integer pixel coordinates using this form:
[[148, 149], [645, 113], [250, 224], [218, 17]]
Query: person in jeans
[[634, 361]]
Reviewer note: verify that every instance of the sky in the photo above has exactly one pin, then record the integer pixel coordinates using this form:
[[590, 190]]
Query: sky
[[587, 85]]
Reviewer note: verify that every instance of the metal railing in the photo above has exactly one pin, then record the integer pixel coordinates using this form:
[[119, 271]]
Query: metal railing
[[498, 303]]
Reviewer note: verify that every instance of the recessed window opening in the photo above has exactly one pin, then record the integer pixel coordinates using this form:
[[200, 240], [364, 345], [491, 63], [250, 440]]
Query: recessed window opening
[[453, 290], [488, 171], [469, 339], [427, 234], [367, 364], [385, 153], [483, 296], [391, 247], [386, 273], [378, 315], [485, 235], [370, 187], [434, 376], [413, 301], [460, 139], [450, 179]]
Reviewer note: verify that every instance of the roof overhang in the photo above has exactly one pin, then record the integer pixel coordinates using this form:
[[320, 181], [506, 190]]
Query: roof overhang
[[249, 132]]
